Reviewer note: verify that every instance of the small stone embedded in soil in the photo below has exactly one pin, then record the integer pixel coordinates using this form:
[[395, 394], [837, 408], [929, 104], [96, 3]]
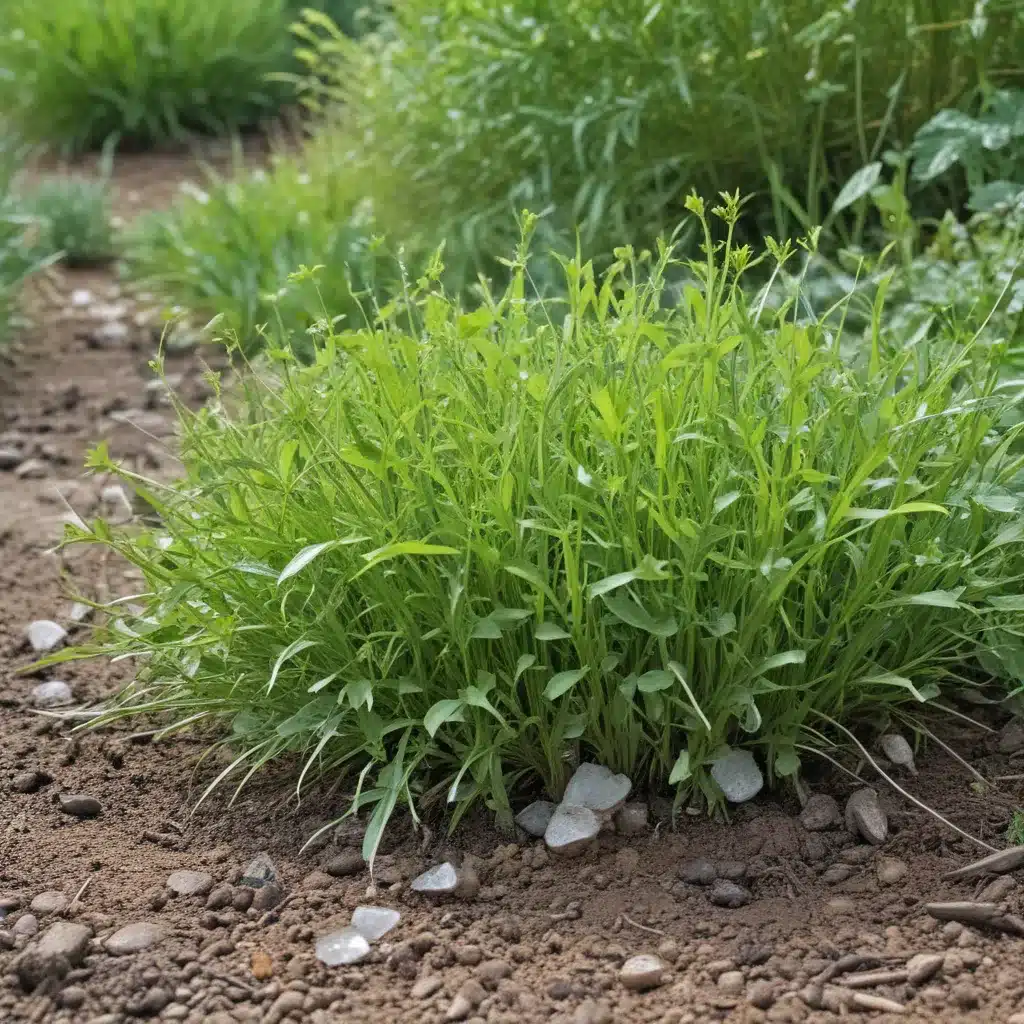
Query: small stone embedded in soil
[[865, 817], [265, 898], [440, 880], [1011, 737], [426, 986], [50, 902], [348, 862], [837, 873], [890, 870], [134, 938], [67, 939], [27, 924], [190, 883], [738, 776], [220, 897], [997, 890], [923, 967], [698, 872], [54, 694], [761, 995], [534, 818], [898, 750], [571, 829], [820, 812], [643, 972], [728, 894], [347, 946], [591, 1012], [466, 1000], [29, 782], [731, 983], [260, 872], [631, 818], [374, 923], [80, 805], [597, 788], [44, 635]]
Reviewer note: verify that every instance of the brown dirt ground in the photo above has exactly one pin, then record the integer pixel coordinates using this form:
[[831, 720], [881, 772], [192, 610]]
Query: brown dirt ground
[[544, 939]]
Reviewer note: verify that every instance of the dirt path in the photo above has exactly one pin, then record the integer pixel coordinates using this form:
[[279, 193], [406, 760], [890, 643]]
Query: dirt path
[[542, 940]]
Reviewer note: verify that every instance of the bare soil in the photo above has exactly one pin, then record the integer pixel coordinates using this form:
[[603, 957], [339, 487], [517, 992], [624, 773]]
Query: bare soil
[[543, 940]]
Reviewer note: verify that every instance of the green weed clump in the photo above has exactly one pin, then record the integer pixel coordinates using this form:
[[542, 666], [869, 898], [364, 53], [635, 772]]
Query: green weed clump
[[230, 248], [74, 218], [604, 114], [452, 558], [79, 74]]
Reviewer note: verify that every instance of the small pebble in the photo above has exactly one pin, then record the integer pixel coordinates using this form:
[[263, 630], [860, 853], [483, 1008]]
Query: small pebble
[[631, 818], [374, 923], [54, 694], [348, 862], [190, 883], [533, 819], [731, 983], [820, 812], [44, 635], [643, 972], [571, 829], [80, 805], [347, 946], [729, 894], [50, 902], [698, 872], [890, 870], [865, 817], [134, 938]]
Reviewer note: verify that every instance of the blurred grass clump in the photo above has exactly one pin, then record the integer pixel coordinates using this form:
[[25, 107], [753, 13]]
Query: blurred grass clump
[[230, 247], [604, 114], [81, 74], [73, 218], [463, 549]]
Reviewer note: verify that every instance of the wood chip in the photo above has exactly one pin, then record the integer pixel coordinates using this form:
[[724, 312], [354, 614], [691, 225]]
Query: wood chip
[[866, 1001], [869, 979], [996, 864]]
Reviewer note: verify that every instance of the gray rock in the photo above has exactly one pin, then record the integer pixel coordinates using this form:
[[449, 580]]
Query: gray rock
[[631, 818], [738, 776], [923, 967], [865, 817], [261, 871], [820, 812], [440, 880], [27, 925], [54, 694], [729, 894], [44, 635], [347, 946], [152, 1002], [898, 750], [67, 939], [571, 830], [734, 870], [374, 923], [640, 973], [50, 902], [597, 788], [348, 862], [698, 872], [80, 805], [731, 983], [190, 883], [79, 611], [837, 873], [134, 938], [534, 818]]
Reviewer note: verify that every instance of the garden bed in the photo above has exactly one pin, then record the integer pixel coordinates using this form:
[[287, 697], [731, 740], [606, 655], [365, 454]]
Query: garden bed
[[542, 939]]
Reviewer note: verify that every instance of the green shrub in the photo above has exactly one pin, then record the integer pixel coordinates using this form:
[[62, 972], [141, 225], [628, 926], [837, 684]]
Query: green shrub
[[605, 113], [73, 216], [84, 73], [231, 248], [453, 560]]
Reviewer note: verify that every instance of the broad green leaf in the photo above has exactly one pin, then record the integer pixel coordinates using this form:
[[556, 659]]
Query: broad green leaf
[[285, 458], [778, 660], [723, 501], [289, 652], [902, 682], [405, 547], [657, 679], [477, 698], [575, 727], [550, 631], [1008, 602], [634, 614], [907, 508], [858, 186], [681, 769], [723, 625], [562, 682], [443, 711], [786, 762], [358, 693], [486, 629], [648, 569], [321, 683], [526, 661], [935, 598]]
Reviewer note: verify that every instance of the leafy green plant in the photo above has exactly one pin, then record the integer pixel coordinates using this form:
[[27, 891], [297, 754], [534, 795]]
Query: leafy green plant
[[21, 249], [603, 115], [84, 73], [74, 218], [451, 558], [230, 248]]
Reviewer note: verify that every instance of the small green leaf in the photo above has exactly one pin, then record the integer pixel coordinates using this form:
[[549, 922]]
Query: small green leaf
[[858, 186], [405, 547], [778, 660], [786, 762], [634, 614], [648, 569], [935, 598], [657, 679], [562, 682], [550, 631], [723, 625], [526, 661], [289, 652], [681, 769], [443, 711], [303, 558], [723, 501]]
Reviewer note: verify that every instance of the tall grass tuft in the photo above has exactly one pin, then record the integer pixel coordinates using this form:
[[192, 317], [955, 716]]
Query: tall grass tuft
[[604, 114], [73, 218], [451, 560], [80, 74]]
